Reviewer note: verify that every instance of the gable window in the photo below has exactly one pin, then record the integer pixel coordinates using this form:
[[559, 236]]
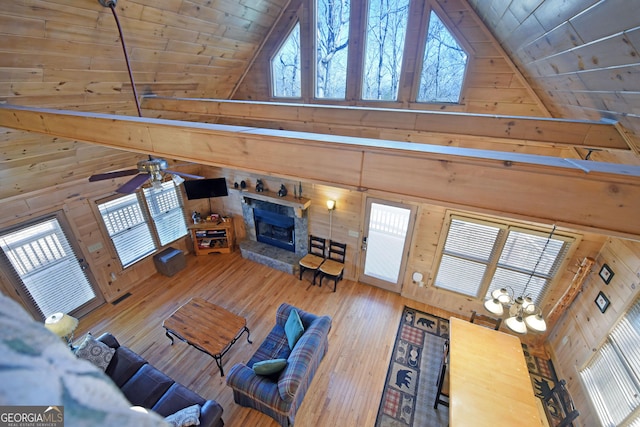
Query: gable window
[[285, 67], [332, 29], [384, 47], [126, 221], [443, 67], [612, 376], [480, 256]]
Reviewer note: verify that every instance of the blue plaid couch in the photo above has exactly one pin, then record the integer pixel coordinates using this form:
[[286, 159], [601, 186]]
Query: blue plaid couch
[[280, 395]]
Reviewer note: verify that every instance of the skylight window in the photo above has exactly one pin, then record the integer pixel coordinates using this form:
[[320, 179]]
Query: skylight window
[[332, 30], [443, 66], [285, 67], [384, 47]]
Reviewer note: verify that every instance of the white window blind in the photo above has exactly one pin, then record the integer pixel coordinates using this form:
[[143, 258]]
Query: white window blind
[[480, 256], [612, 376], [128, 228], [166, 212], [47, 267]]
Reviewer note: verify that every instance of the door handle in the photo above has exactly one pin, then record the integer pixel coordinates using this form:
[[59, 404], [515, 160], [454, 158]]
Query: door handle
[[364, 243]]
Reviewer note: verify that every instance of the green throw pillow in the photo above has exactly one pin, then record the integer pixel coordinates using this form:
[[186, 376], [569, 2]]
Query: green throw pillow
[[268, 367], [293, 328]]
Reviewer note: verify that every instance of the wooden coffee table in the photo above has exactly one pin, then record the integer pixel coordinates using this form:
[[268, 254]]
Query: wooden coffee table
[[207, 327]]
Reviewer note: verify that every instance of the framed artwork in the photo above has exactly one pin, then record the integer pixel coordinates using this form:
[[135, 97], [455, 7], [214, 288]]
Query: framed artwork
[[602, 302], [606, 273]]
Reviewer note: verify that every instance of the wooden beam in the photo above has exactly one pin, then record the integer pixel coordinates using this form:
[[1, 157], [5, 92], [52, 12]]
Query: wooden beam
[[581, 133], [586, 195]]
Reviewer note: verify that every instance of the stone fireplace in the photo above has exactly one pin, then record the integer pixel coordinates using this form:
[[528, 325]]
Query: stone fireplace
[[277, 229]]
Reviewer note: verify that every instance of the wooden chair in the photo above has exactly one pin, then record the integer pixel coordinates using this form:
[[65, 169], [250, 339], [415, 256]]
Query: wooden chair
[[560, 400], [442, 395], [316, 256], [484, 320], [333, 267]]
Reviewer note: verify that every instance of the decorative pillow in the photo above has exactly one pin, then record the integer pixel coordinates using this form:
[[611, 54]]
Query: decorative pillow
[[293, 329], [95, 352], [268, 367], [189, 416]]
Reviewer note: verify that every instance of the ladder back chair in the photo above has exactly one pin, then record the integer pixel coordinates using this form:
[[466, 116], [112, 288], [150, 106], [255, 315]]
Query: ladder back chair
[[333, 267], [314, 259], [442, 395], [484, 320]]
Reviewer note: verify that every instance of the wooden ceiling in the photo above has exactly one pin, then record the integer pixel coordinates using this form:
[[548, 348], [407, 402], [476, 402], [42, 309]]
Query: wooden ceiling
[[574, 62]]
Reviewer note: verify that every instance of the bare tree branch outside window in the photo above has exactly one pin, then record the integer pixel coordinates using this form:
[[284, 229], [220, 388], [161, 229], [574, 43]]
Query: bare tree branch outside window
[[285, 67], [332, 40], [443, 66], [386, 31]]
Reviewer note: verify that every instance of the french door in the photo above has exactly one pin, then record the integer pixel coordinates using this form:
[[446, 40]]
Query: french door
[[43, 266], [386, 243]]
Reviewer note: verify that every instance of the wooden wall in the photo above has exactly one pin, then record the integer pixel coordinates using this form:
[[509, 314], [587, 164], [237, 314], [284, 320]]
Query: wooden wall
[[580, 57], [583, 328], [492, 85]]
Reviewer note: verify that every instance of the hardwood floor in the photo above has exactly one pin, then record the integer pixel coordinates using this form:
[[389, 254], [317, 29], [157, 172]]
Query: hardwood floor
[[347, 388]]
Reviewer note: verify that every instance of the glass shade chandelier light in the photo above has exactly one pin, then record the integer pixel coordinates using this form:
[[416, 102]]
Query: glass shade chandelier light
[[523, 315]]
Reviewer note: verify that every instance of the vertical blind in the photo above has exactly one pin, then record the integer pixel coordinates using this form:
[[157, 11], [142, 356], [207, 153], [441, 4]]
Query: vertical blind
[[480, 256], [47, 267], [612, 376], [166, 212]]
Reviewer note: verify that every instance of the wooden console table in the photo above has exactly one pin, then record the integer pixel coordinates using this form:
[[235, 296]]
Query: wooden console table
[[489, 383], [207, 327], [210, 237]]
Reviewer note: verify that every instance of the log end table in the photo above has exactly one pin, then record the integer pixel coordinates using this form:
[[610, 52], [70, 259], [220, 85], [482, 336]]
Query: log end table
[[207, 327]]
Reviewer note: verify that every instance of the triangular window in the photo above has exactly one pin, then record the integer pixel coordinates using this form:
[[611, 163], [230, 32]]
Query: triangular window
[[285, 67], [444, 65]]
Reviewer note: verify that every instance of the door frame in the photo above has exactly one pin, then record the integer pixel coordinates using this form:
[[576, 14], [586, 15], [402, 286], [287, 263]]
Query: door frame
[[413, 210]]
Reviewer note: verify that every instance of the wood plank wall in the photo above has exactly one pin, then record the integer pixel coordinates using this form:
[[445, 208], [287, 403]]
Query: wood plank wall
[[583, 328], [492, 85], [580, 57]]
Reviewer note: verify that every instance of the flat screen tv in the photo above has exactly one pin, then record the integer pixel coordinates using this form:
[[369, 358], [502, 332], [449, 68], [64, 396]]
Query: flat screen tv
[[205, 188]]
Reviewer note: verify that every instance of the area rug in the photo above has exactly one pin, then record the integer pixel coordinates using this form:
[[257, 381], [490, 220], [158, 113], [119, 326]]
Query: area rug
[[410, 386]]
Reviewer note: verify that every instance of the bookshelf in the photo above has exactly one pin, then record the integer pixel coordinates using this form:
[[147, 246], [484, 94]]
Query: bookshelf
[[213, 237]]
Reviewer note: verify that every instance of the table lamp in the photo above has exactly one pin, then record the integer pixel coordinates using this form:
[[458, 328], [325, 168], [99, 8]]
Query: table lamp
[[62, 325]]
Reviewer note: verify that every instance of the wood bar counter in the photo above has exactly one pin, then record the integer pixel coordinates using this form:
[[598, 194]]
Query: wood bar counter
[[489, 382]]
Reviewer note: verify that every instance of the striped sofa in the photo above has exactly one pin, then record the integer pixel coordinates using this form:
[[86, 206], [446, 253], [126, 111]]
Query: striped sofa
[[280, 395]]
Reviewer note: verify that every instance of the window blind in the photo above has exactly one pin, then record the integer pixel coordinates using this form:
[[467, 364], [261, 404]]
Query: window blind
[[612, 376], [166, 212], [46, 267], [128, 228]]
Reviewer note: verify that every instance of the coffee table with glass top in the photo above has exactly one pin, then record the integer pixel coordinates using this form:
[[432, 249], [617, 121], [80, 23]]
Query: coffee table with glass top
[[207, 327]]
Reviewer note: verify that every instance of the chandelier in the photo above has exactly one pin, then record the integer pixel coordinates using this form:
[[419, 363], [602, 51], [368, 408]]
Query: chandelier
[[523, 313]]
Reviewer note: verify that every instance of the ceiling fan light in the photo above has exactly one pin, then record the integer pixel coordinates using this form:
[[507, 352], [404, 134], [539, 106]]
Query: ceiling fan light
[[177, 179]]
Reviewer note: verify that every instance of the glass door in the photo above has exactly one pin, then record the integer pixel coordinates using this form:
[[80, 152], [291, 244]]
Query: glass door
[[45, 270], [385, 244]]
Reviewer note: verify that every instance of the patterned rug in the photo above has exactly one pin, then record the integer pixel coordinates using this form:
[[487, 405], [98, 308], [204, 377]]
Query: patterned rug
[[410, 387]]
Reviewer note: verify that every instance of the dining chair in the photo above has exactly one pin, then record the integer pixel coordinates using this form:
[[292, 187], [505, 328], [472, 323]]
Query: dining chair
[[315, 257], [484, 320], [333, 267], [442, 395]]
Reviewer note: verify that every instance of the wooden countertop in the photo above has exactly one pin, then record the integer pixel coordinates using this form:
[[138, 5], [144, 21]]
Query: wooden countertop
[[489, 382]]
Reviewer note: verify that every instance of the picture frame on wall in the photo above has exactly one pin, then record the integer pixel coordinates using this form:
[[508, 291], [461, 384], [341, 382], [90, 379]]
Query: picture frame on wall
[[606, 274], [602, 302]]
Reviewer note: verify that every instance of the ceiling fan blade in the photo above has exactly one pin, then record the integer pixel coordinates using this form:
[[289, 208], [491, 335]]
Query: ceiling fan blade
[[111, 175], [183, 174], [133, 184]]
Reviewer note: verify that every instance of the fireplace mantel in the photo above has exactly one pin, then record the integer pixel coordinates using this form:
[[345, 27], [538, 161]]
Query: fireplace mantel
[[298, 205]]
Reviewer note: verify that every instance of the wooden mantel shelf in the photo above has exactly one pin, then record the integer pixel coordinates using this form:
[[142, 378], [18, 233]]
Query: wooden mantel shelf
[[298, 205]]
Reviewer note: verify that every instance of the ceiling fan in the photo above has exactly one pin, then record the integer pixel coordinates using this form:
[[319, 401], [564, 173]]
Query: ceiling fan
[[152, 168]]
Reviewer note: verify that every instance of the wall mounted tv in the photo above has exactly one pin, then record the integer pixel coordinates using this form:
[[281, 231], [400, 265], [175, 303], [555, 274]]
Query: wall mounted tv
[[205, 188]]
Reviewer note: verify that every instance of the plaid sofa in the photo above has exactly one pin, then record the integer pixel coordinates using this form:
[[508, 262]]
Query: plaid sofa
[[280, 395]]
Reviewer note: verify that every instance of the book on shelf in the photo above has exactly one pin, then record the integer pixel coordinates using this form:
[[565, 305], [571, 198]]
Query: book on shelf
[[205, 243]]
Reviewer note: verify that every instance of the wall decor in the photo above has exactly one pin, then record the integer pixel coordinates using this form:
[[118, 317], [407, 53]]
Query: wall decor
[[602, 302], [606, 273]]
